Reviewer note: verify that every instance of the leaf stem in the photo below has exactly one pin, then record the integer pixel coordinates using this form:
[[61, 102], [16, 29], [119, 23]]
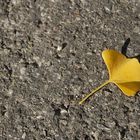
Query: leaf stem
[[93, 91]]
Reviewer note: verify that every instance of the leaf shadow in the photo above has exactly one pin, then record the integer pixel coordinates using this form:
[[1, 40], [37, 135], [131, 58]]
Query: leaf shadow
[[125, 47]]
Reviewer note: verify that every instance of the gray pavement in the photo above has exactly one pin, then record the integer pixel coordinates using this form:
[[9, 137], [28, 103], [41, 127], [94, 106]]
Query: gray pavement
[[50, 57]]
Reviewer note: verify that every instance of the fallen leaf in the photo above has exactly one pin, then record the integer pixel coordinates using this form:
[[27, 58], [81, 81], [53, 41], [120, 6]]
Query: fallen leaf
[[123, 72]]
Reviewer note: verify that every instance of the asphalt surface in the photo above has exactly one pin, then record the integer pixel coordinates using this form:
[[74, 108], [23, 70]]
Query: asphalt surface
[[50, 57]]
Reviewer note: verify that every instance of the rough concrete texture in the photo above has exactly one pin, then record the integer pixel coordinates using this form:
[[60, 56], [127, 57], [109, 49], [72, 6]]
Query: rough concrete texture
[[50, 57]]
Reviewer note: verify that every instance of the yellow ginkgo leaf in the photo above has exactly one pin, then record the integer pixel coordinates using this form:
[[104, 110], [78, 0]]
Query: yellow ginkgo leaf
[[124, 72]]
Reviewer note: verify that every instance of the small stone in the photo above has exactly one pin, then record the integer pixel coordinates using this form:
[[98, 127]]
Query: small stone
[[96, 135], [63, 111], [107, 10], [89, 53], [6, 51], [38, 61], [63, 122], [90, 81], [58, 76], [22, 70], [137, 30], [10, 92], [24, 135], [59, 48], [15, 2], [48, 63], [110, 124]]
